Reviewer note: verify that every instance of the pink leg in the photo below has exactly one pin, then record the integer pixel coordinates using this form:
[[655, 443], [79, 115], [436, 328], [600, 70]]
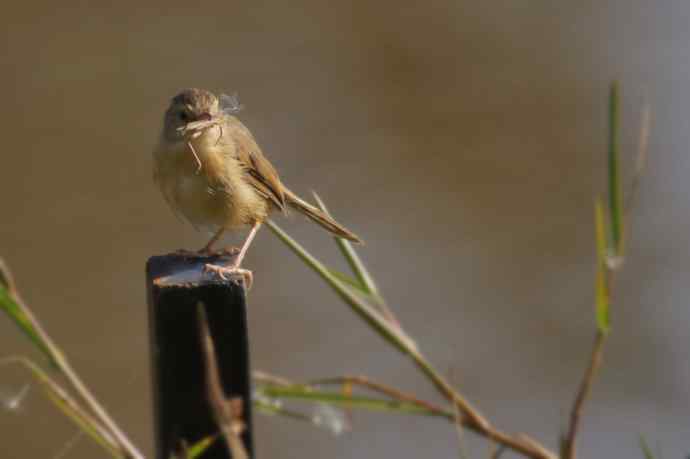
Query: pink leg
[[214, 239], [247, 243], [222, 271]]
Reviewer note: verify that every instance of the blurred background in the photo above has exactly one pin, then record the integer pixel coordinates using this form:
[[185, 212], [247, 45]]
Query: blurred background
[[464, 141]]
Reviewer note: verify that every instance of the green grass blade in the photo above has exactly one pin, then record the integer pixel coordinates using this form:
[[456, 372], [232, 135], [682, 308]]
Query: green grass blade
[[272, 409], [602, 287], [350, 282], [350, 401], [614, 192], [275, 409], [357, 290], [197, 449], [21, 314], [390, 332], [5, 276], [15, 312], [646, 450], [352, 258], [84, 424], [360, 270], [69, 407], [388, 329]]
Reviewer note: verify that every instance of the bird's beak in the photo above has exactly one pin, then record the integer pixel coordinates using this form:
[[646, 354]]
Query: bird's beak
[[204, 117]]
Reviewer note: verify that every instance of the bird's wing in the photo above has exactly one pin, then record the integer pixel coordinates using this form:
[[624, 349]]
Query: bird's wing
[[260, 172]]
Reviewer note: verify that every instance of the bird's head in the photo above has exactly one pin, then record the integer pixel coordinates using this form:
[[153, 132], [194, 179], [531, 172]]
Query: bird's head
[[188, 106]]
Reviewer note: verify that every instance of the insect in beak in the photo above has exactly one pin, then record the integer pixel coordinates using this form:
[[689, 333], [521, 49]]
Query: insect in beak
[[204, 117]]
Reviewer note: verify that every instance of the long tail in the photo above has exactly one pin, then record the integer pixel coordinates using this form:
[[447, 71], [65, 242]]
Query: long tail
[[316, 215]]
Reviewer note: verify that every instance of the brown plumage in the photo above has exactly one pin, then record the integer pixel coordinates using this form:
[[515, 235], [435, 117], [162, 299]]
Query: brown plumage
[[212, 172]]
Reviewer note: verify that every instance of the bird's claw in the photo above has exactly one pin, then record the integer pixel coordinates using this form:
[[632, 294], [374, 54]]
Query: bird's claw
[[223, 271]]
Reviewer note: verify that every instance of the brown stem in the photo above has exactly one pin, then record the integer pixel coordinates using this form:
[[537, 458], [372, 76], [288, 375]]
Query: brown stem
[[568, 442], [475, 421], [471, 417], [227, 412], [380, 388], [267, 378], [468, 416]]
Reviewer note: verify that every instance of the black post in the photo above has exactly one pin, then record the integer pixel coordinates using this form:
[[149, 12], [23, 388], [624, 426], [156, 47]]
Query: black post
[[176, 285]]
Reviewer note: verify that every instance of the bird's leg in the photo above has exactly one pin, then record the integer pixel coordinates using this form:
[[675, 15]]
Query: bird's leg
[[247, 243], [207, 249], [222, 271]]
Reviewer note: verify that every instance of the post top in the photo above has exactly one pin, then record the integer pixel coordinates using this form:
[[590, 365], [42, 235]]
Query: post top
[[186, 269]]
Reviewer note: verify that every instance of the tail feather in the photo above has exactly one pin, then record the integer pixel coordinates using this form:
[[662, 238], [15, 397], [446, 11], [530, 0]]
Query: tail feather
[[318, 216]]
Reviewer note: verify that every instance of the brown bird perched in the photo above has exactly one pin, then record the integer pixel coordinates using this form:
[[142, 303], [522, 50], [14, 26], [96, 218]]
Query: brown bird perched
[[211, 171]]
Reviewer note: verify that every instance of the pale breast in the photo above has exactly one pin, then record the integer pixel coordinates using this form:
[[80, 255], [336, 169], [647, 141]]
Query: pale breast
[[217, 194], [200, 202]]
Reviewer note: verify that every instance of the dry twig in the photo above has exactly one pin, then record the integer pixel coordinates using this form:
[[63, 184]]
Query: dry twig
[[227, 412], [389, 391], [568, 441]]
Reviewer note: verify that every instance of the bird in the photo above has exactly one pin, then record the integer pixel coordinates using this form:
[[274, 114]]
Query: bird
[[212, 172]]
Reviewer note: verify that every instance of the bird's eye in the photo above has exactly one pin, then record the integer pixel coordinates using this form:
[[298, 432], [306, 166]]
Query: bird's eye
[[183, 116]]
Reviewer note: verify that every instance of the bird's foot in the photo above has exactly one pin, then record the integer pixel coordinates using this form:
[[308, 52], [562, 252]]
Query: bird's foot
[[226, 272]]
